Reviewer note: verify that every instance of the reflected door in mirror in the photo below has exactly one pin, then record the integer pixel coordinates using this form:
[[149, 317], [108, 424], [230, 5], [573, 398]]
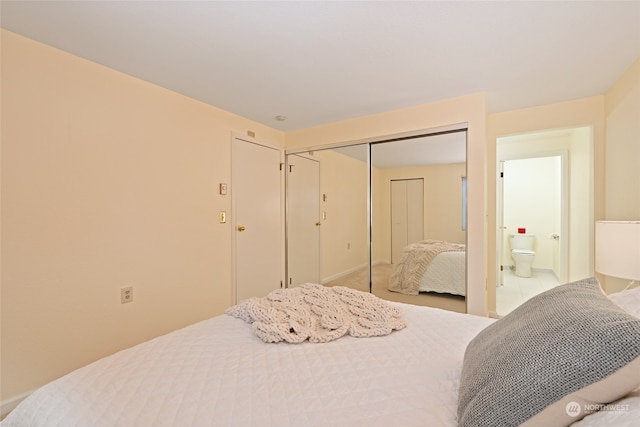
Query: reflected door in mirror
[[303, 190], [407, 214]]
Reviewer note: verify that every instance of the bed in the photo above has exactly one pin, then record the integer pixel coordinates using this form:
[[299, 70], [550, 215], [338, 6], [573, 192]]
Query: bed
[[219, 372], [430, 266]]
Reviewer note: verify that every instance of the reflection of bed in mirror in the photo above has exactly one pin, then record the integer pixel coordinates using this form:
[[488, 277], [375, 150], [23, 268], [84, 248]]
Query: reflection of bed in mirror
[[430, 266]]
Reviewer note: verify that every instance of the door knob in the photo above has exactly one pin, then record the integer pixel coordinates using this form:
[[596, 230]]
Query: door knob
[[241, 228]]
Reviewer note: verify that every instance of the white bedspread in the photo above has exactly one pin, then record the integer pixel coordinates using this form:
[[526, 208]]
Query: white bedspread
[[218, 373], [446, 274], [416, 259]]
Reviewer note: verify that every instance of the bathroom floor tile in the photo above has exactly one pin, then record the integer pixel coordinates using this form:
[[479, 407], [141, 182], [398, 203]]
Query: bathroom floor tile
[[517, 290]]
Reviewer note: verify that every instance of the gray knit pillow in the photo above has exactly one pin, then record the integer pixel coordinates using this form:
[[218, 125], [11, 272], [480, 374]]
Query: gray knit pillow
[[553, 360]]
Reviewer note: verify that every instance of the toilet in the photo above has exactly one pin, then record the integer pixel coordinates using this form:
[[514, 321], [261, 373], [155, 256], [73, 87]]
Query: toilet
[[522, 252]]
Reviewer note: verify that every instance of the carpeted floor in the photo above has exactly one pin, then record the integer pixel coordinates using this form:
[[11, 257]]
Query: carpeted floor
[[380, 279]]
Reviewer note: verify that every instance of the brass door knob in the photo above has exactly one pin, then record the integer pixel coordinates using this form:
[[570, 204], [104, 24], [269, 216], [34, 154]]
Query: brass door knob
[[241, 228]]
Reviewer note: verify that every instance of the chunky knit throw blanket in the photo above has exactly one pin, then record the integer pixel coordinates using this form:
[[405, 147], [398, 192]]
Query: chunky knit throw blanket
[[318, 313], [407, 273]]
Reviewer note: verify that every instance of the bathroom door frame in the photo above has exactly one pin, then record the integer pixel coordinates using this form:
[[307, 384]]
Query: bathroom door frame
[[563, 271]]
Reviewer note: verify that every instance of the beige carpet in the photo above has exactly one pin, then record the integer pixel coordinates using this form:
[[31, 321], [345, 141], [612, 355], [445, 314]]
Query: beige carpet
[[380, 279]]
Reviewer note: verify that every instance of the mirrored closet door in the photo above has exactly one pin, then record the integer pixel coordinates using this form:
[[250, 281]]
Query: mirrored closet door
[[418, 235], [385, 217], [327, 217]]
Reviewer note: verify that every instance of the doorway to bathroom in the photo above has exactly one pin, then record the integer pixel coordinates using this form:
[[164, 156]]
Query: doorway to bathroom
[[536, 190], [532, 205]]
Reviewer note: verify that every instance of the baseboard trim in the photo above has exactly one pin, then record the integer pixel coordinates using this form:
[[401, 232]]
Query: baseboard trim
[[342, 274]]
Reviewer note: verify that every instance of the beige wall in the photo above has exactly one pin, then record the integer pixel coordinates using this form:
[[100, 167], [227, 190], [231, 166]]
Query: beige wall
[[622, 154], [582, 215], [471, 110], [622, 114], [107, 181]]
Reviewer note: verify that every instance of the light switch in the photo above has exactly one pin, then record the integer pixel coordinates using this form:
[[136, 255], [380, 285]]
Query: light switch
[[223, 188], [223, 217]]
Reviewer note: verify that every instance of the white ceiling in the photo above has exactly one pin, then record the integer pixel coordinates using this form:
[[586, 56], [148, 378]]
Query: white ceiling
[[440, 148], [433, 149], [320, 62]]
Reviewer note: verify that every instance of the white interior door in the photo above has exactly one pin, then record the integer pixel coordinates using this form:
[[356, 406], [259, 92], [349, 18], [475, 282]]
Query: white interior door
[[256, 219], [415, 210], [398, 218], [303, 216], [407, 214]]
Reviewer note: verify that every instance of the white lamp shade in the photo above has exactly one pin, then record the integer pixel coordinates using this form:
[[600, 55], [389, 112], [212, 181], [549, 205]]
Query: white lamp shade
[[618, 249]]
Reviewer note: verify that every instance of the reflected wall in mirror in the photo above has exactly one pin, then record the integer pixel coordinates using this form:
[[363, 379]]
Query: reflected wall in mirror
[[327, 217], [418, 240]]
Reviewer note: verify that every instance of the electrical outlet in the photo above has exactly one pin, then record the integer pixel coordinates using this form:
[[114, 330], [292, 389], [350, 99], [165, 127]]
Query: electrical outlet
[[126, 295]]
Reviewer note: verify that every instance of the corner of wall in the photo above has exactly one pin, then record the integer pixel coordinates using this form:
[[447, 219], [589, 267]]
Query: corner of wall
[[622, 87]]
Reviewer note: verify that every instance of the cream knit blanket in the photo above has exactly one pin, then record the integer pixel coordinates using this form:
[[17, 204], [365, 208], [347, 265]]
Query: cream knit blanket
[[416, 257], [318, 313]]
